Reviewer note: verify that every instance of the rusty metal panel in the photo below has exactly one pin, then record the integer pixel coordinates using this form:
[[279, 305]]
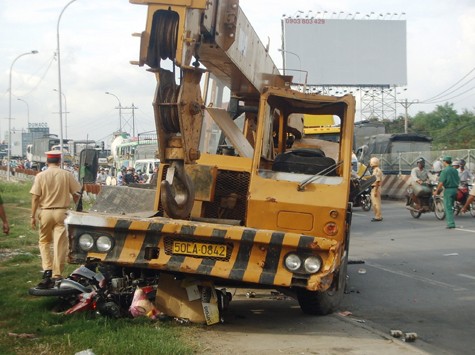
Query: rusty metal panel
[[125, 200], [204, 180]]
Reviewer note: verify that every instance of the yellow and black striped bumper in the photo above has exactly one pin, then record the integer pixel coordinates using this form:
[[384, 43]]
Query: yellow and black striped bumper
[[250, 255]]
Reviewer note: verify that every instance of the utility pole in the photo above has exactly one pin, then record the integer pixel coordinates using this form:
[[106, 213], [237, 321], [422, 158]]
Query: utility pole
[[127, 121], [406, 104]]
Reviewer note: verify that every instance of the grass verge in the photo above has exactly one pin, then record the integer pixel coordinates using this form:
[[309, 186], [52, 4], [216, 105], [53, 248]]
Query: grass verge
[[29, 326]]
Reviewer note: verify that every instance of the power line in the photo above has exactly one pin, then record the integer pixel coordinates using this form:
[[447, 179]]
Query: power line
[[443, 93], [450, 98]]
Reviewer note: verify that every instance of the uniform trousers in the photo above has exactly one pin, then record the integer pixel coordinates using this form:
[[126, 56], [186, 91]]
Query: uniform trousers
[[449, 199], [53, 234], [376, 201]]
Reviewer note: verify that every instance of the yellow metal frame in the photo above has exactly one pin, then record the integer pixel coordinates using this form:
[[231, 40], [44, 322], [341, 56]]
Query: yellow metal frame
[[180, 7]]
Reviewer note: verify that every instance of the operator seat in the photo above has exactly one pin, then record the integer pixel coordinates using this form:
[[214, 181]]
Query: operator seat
[[305, 161]]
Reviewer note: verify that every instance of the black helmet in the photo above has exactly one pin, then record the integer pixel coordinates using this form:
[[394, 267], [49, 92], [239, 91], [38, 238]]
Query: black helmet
[[421, 161], [462, 162]]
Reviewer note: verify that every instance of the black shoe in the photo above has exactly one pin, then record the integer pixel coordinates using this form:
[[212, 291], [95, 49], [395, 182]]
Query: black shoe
[[47, 281], [376, 220], [452, 227]]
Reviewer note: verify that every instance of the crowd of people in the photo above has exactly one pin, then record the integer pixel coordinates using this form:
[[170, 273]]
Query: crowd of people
[[126, 176], [450, 177]]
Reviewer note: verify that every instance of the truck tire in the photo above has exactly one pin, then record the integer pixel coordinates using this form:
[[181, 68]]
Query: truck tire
[[326, 302]]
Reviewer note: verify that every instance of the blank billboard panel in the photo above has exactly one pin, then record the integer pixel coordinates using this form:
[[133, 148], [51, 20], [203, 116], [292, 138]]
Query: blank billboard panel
[[347, 52]]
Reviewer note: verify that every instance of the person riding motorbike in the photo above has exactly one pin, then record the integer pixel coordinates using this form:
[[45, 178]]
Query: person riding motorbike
[[465, 180], [466, 177], [420, 178]]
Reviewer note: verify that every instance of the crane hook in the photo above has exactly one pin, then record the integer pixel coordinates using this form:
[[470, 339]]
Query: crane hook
[[176, 192]]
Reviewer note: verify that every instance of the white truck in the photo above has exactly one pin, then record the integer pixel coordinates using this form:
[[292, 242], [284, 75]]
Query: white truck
[[35, 152]]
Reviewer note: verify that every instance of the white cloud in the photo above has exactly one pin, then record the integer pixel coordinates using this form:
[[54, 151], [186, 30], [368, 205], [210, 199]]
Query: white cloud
[[96, 47]]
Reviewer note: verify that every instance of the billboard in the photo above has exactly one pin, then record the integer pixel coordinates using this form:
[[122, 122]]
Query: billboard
[[337, 52]]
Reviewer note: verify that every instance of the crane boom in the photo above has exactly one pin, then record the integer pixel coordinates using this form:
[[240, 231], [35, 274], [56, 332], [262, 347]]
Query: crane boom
[[217, 34]]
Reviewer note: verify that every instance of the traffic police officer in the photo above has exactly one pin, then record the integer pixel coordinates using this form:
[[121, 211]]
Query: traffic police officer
[[376, 189], [51, 195]]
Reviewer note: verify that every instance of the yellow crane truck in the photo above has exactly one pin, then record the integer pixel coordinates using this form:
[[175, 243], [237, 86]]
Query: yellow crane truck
[[241, 199]]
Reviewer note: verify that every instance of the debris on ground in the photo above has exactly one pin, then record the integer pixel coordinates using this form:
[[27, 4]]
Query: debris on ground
[[345, 313], [353, 262], [410, 337], [251, 294], [85, 352], [142, 306], [396, 333], [22, 335]]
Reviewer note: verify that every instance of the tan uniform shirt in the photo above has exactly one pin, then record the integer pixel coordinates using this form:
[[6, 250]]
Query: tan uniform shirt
[[54, 186], [378, 173]]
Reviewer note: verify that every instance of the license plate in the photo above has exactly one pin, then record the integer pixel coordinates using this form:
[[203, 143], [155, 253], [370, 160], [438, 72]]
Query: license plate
[[199, 249]]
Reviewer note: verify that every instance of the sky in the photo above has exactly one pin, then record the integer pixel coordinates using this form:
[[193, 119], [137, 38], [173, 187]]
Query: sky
[[96, 47]]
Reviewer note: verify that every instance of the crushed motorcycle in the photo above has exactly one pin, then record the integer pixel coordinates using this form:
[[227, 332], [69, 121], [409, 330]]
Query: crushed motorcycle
[[99, 289], [111, 291]]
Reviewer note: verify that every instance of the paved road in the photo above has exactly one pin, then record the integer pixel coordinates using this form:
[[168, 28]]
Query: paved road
[[417, 277]]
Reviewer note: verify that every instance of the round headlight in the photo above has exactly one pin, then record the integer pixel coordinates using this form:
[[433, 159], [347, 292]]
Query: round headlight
[[86, 242], [312, 264], [104, 243], [292, 262]]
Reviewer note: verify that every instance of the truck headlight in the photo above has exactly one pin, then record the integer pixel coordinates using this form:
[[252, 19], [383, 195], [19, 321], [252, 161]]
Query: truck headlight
[[104, 243], [293, 262], [86, 242], [312, 264]]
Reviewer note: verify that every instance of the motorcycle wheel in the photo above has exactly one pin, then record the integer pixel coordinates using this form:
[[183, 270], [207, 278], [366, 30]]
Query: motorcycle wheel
[[457, 208], [439, 209], [472, 209], [414, 213], [53, 292], [366, 202]]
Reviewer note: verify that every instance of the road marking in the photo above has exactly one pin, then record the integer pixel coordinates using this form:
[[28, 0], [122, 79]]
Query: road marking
[[419, 278], [465, 230], [467, 276]]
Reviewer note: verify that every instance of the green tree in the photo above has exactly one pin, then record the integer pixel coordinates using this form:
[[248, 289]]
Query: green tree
[[448, 129]]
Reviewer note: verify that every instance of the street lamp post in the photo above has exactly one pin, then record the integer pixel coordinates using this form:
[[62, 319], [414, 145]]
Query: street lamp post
[[300, 65], [10, 112], [59, 82], [120, 109], [65, 113], [27, 112]]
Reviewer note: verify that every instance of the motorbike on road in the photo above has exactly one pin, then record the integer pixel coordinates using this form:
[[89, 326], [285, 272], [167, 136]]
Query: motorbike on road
[[428, 202], [461, 199], [360, 193]]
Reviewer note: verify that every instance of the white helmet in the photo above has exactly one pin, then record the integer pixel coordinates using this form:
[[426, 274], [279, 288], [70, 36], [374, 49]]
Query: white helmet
[[374, 161]]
